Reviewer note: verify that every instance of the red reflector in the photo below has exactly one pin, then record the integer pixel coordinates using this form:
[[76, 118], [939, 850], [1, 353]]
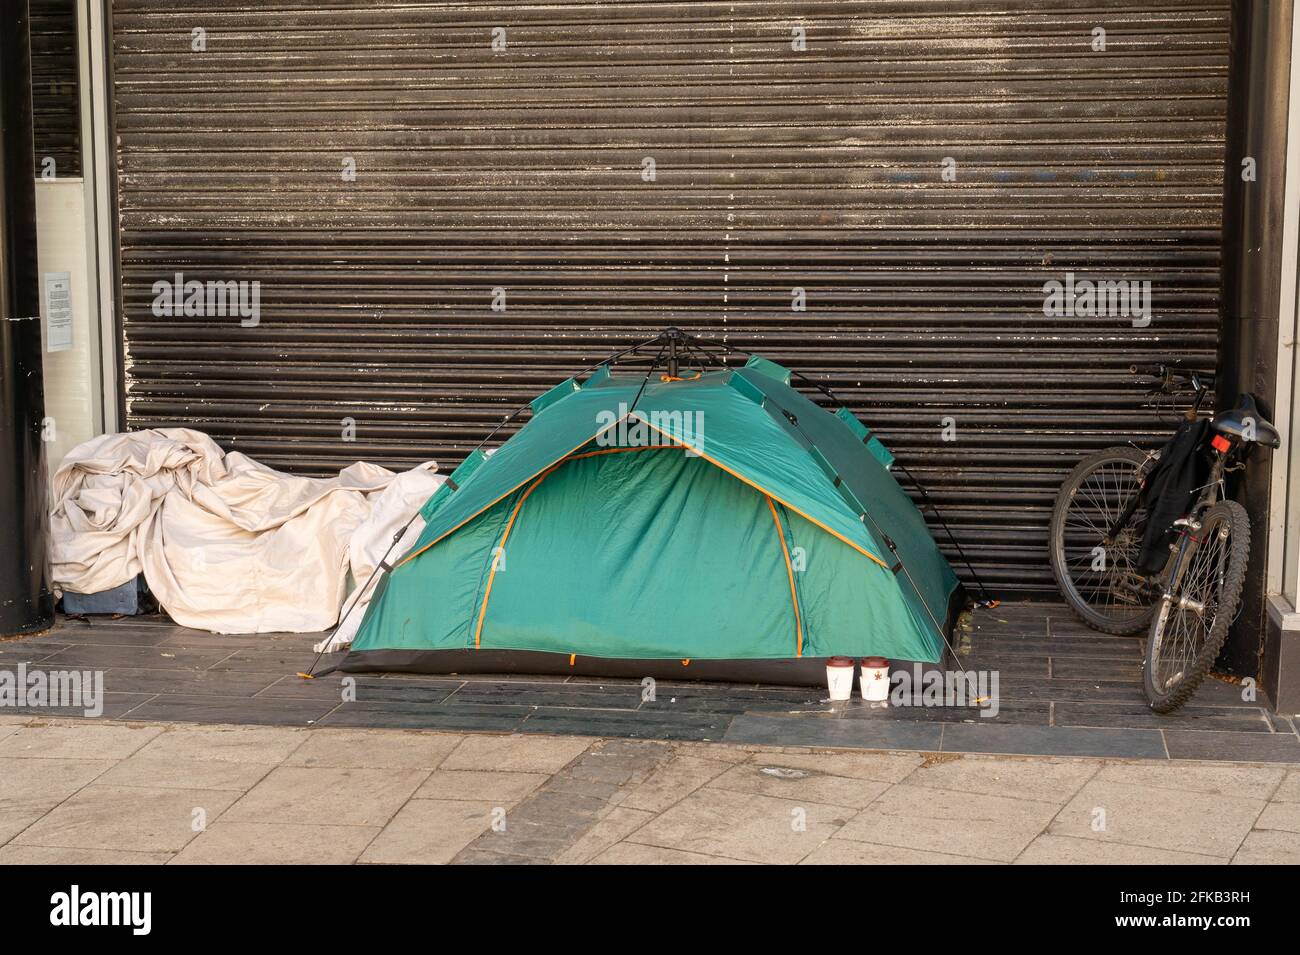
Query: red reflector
[[1220, 443]]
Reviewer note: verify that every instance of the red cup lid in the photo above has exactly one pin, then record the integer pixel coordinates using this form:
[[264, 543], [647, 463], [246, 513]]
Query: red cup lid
[[840, 662], [875, 662]]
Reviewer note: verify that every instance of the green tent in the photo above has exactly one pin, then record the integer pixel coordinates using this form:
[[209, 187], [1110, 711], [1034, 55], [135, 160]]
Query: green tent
[[713, 526]]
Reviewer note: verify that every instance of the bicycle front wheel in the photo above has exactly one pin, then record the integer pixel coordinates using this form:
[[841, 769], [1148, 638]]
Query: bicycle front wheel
[[1097, 572], [1193, 620]]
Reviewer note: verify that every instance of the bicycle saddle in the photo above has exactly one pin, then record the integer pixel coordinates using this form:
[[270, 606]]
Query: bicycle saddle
[[1245, 422]]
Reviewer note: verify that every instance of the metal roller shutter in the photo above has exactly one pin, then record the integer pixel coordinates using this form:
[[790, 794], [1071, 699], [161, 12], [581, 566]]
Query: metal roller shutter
[[55, 118], [774, 169]]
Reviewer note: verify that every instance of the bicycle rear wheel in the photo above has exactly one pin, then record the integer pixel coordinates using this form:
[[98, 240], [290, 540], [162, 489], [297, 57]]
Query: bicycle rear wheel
[[1192, 623], [1097, 575]]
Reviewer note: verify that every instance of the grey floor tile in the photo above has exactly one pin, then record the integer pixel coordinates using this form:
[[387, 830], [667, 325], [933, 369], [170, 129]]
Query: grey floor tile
[[14, 652], [210, 709], [188, 682], [114, 706], [1138, 715], [114, 634], [628, 725], [286, 661], [553, 695], [467, 716], [152, 658], [820, 731], [1072, 668], [1249, 747], [1052, 740]]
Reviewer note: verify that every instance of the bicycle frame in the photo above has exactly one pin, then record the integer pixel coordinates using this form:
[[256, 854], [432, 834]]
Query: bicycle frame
[[1216, 476], [1189, 525]]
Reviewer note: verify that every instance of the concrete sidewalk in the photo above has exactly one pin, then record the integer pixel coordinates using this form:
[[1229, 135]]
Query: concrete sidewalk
[[99, 791]]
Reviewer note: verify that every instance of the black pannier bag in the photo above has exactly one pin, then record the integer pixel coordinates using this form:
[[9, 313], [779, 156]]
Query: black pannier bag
[[1171, 488]]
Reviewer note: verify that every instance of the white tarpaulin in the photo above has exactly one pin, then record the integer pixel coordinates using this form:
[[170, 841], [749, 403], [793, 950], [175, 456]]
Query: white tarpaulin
[[225, 543]]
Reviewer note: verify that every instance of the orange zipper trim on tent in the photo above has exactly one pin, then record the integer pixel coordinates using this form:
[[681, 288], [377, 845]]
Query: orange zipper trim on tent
[[500, 548], [789, 569], [487, 507], [758, 487]]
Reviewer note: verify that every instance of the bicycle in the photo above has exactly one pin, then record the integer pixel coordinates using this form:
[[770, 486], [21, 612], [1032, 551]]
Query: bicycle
[[1100, 524]]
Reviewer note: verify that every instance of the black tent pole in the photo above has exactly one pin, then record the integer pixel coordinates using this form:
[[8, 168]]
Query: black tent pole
[[26, 604]]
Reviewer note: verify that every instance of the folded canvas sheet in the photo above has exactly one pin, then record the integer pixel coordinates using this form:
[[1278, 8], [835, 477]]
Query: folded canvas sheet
[[225, 543]]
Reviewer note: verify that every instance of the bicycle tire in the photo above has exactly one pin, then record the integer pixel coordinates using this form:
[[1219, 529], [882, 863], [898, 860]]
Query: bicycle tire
[[1122, 619], [1166, 694]]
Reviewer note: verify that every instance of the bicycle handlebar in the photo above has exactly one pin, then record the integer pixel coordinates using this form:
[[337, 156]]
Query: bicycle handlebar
[[1171, 376]]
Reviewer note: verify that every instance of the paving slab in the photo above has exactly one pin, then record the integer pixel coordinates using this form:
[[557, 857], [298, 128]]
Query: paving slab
[[1284, 816], [674, 780], [743, 826], [1044, 779], [61, 855], [848, 852], [1229, 779], [1159, 818], [480, 785], [632, 853], [234, 744], [14, 821], [725, 752], [259, 843], [800, 785], [430, 831], [615, 826], [131, 818], [1289, 790], [938, 820], [374, 749], [177, 772], [1271, 847], [327, 796], [885, 767], [527, 754], [80, 740], [37, 785], [1051, 849]]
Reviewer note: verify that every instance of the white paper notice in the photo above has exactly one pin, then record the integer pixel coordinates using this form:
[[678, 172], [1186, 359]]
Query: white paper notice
[[58, 311]]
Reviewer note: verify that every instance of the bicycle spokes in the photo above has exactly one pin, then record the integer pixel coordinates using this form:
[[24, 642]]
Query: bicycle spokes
[[1103, 567], [1192, 611]]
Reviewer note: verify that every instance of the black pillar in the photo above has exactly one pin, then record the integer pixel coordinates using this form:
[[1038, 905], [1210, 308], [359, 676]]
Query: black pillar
[[25, 602], [1258, 92]]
